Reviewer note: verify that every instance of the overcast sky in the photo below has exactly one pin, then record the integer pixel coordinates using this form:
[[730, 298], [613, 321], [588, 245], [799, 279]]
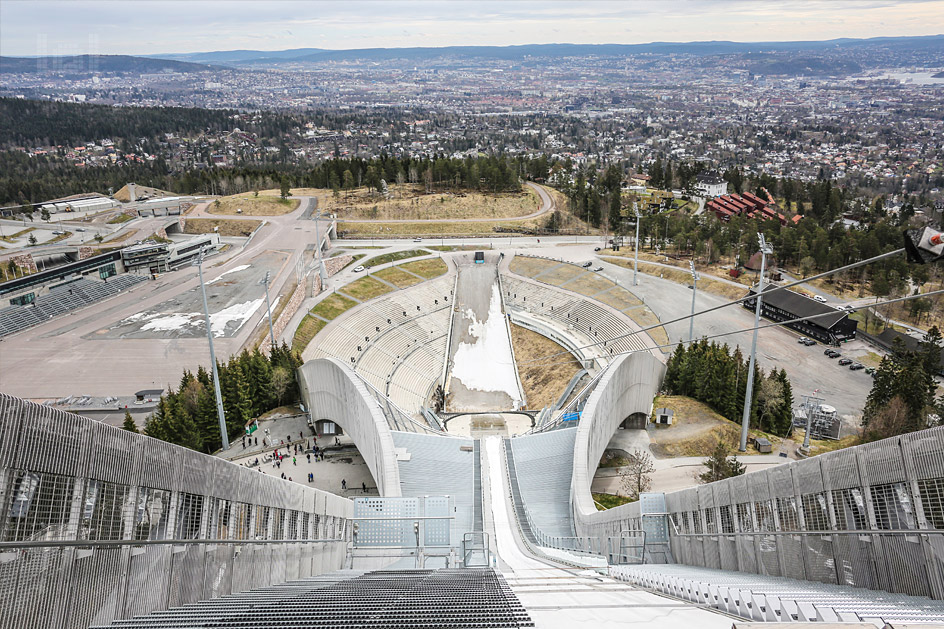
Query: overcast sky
[[31, 27]]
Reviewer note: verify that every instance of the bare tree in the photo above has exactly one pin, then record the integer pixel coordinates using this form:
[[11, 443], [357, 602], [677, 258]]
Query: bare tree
[[635, 475], [280, 381]]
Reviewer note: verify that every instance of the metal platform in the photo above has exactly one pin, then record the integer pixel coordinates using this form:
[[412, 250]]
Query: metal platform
[[469, 597]]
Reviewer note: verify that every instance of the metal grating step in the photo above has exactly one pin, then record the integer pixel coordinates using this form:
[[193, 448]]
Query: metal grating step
[[447, 598]]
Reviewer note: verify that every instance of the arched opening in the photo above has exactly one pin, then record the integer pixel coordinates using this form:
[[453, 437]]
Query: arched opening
[[636, 420]]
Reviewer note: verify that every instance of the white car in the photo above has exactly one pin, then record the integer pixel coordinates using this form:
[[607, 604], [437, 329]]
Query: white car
[[820, 299], [358, 268]]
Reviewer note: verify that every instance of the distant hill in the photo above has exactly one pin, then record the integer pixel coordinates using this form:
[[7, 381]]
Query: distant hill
[[939, 75], [806, 66], [87, 64], [705, 48]]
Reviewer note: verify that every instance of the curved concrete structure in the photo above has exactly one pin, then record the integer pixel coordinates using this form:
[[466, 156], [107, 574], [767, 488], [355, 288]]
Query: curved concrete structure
[[628, 386], [332, 391]]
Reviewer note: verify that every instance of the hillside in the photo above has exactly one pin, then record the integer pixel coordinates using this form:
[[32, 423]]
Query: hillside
[[88, 64]]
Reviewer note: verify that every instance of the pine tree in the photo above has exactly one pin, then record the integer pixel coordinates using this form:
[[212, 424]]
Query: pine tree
[[129, 424]]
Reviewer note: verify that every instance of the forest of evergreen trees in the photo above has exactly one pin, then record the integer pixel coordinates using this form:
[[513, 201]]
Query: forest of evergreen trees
[[251, 384], [711, 373], [25, 122]]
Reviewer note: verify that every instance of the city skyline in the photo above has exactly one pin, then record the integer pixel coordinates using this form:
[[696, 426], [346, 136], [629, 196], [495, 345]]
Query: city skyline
[[166, 27]]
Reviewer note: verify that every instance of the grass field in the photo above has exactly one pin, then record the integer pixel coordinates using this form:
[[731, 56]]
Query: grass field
[[542, 382], [608, 501], [397, 277], [529, 267], [119, 238], [333, 305], [393, 257], [682, 277], [227, 227], [619, 298], [119, 218], [307, 329], [263, 205], [434, 267], [410, 202], [14, 236], [435, 228], [696, 429], [365, 288], [455, 248]]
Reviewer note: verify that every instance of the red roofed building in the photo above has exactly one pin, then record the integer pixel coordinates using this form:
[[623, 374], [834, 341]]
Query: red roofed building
[[746, 204]]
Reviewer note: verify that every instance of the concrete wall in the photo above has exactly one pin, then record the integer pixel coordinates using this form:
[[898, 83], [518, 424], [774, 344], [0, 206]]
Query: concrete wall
[[296, 299], [335, 264], [331, 390], [628, 386]]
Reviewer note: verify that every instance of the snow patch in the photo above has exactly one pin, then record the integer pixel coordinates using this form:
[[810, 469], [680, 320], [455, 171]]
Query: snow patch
[[237, 269], [237, 313], [169, 322], [487, 364]]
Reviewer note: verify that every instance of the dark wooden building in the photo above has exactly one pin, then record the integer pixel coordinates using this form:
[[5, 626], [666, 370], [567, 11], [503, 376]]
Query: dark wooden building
[[834, 326]]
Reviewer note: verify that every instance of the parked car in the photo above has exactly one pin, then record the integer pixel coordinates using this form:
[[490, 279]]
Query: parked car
[[598, 269], [845, 361], [587, 265], [596, 248], [870, 370], [828, 351], [834, 354], [417, 240], [820, 299], [802, 340], [358, 268], [856, 366], [809, 342]]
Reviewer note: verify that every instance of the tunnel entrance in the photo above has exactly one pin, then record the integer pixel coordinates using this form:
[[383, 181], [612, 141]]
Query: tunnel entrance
[[636, 420]]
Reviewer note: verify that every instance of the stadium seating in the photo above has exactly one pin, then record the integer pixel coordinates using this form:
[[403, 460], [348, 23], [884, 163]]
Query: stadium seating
[[397, 342], [61, 300], [591, 320]]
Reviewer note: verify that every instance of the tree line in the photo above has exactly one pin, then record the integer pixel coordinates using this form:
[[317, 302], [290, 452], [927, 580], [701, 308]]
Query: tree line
[[251, 384], [711, 373]]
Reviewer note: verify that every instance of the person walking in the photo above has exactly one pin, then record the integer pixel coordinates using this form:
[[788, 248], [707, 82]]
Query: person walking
[[343, 484], [309, 458], [364, 487], [294, 462]]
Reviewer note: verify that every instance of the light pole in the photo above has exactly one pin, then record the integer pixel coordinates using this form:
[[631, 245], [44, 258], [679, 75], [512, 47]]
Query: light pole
[[691, 321], [765, 250], [636, 259], [198, 262], [322, 273], [265, 281]]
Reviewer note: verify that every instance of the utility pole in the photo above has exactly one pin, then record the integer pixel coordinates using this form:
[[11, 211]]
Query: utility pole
[[265, 281], [765, 250], [691, 321], [216, 376], [636, 259]]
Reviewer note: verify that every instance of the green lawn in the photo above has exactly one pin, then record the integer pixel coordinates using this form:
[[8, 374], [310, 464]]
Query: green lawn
[[608, 501], [393, 257], [307, 329], [366, 288], [120, 218], [429, 269], [333, 305], [397, 277]]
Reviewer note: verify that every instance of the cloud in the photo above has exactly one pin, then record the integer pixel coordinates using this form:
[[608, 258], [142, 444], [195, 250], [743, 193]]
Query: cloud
[[162, 26]]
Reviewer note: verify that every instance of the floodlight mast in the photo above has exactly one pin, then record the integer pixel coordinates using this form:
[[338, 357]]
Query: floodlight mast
[[198, 262], [765, 250], [691, 321], [265, 281]]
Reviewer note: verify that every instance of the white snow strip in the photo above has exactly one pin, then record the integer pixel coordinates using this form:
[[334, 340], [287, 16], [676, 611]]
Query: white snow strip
[[171, 321], [487, 364], [237, 313], [235, 269]]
